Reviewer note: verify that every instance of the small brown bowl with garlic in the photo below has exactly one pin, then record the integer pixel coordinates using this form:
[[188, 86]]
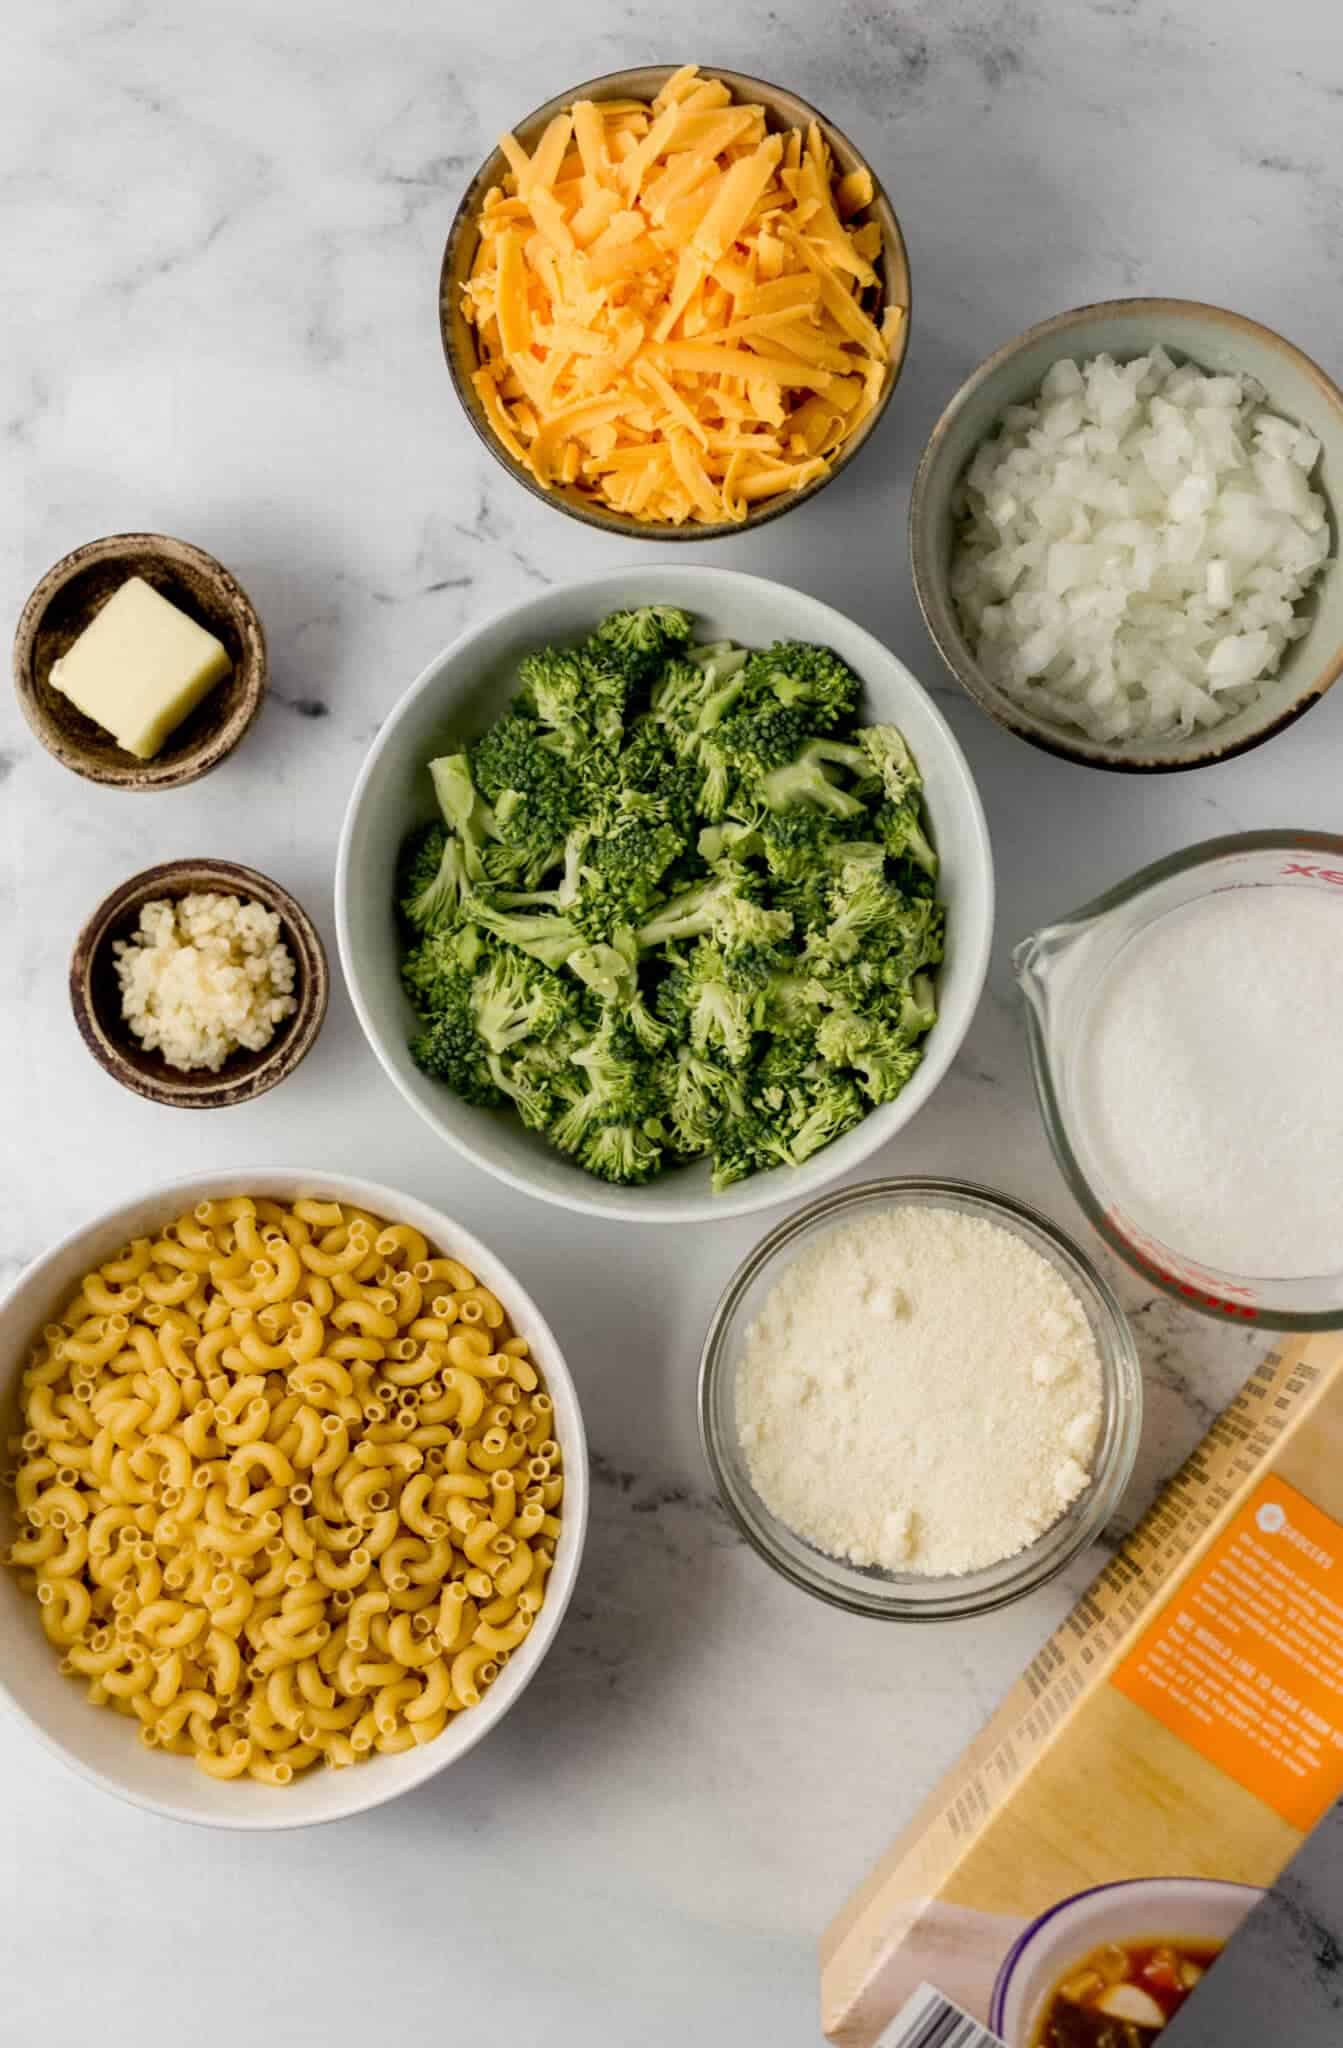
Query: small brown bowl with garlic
[[199, 984], [139, 661]]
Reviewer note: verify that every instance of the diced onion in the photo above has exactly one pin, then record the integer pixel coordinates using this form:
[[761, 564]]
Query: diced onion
[[1134, 544]]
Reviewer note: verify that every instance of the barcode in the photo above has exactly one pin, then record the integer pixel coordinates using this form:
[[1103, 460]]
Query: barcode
[[928, 2020]]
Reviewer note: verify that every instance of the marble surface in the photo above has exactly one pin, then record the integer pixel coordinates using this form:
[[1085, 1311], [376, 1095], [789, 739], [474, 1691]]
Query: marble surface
[[223, 228]]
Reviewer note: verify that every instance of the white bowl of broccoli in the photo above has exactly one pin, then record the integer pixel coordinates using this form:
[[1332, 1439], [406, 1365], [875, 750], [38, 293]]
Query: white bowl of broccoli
[[666, 895]]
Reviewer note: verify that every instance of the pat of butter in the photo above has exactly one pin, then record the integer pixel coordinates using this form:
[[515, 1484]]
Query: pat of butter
[[139, 667]]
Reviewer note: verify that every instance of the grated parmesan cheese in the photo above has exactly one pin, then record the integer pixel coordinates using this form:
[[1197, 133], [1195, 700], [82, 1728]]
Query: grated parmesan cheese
[[204, 977], [921, 1391]]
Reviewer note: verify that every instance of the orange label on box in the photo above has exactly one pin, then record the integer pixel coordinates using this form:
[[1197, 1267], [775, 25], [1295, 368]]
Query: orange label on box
[[1245, 1662]]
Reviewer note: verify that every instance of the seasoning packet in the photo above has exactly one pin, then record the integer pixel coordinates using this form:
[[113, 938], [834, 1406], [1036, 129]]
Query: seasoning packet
[[1074, 1879]]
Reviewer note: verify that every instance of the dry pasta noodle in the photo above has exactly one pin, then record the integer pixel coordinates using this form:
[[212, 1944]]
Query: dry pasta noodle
[[286, 1488]]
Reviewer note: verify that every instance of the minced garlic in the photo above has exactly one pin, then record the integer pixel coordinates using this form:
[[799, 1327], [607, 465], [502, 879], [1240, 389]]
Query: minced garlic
[[204, 977]]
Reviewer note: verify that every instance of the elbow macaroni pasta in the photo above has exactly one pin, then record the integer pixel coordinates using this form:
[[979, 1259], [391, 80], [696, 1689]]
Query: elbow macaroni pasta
[[286, 1490]]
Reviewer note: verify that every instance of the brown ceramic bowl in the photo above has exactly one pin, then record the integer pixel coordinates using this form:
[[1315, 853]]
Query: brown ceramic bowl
[[1217, 341], [95, 995], [61, 607], [783, 110]]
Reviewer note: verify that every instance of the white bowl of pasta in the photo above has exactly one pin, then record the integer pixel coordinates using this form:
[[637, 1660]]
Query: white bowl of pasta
[[297, 1482]]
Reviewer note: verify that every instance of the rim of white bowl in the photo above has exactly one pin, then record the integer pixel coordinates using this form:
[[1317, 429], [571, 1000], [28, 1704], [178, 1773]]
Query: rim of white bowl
[[760, 1191], [508, 1689]]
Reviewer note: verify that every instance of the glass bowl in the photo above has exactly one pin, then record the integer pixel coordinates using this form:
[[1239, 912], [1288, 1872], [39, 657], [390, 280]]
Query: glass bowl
[[1060, 968], [912, 1596]]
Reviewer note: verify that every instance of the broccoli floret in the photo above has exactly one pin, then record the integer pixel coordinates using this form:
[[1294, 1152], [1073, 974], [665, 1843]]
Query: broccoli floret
[[811, 679], [918, 1008], [537, 1078], [903, 836], [695, 691], [734, 840], [618, 663], [785, 1126], [806, 779], [611, 971], [581, 695], [807, 1119], [449, 1051], [470, 817], [431, 877], [836, 1108], [883, 1059], [625, 865], [543, 936], [647, 635], [430, 971], [865, 911], [701, 1097], [786, 1063], [744, 748], [749, 936], [916, 941], [793, 1006], [688, 915], [721, 1017], [620, 1091], [465, 811], [650, 766], [734, 1155], [511, 762], [623, 1153], [723, 907], [891, 761], [513, 998], [796, 841], [535, 797], [699, 1001], [619, 1080], [553, 692], [563, 895]]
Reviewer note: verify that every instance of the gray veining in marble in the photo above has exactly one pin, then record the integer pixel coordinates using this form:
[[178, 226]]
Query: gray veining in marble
[[1280, 1979], [222, 234]]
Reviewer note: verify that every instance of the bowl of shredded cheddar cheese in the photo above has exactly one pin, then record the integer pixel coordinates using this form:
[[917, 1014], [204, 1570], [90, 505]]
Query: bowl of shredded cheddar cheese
[[674, 305]]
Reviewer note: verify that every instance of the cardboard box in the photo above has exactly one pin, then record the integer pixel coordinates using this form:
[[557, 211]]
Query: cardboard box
[[1158, 1763]]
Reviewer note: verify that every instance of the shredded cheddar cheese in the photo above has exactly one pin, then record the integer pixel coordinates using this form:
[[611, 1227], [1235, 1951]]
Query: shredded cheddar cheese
[[671, 305]]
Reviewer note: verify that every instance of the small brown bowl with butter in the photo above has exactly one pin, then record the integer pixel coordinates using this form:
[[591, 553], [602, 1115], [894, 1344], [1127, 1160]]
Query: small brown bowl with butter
[[185, 995], [179, 662]]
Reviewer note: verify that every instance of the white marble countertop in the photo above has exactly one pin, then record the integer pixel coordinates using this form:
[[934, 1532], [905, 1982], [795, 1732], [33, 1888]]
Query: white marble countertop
[[223, 228]]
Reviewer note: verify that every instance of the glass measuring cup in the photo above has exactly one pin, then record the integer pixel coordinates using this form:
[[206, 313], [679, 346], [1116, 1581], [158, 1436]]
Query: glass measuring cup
[[1059, 969]]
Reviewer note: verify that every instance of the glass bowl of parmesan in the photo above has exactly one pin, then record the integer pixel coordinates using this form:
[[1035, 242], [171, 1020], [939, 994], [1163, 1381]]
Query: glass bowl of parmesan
[[919, 1400], [1184, 1035]]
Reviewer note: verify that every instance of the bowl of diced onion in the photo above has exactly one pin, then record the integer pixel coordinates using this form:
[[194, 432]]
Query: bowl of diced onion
[[1124, 534]]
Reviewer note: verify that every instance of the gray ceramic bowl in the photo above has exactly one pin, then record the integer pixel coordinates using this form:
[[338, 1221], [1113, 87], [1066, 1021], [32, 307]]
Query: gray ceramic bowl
[[783, 110], [95, 995], [64, 603], [1216, 341]]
